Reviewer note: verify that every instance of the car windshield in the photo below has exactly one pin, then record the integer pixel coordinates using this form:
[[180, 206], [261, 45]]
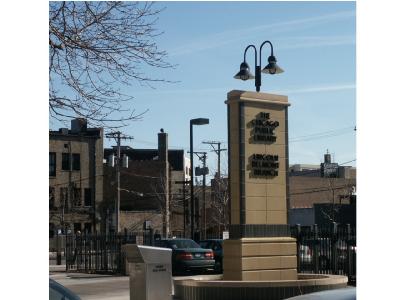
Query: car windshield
[[179, 244]]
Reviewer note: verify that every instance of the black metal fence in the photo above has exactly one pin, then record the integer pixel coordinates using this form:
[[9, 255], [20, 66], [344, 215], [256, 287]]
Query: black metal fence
[[326, 250], [320, 250], [95, 253]]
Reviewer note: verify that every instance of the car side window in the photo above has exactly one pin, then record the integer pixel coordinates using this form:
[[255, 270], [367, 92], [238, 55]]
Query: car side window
[[216, 246]]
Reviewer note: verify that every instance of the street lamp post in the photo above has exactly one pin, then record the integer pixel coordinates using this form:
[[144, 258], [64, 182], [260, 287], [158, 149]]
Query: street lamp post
[[272, 68], [198, 121]]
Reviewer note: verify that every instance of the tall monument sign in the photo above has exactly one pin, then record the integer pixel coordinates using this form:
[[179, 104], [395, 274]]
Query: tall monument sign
[[260, 246]]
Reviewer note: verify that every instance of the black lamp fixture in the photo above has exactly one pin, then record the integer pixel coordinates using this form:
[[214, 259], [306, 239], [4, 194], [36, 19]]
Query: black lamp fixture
[[272, 68]]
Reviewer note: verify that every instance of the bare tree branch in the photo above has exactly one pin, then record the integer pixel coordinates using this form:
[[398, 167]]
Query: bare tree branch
[[95, 48]]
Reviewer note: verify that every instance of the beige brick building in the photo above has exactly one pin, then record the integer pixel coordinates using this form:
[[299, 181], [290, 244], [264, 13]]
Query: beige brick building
[[75, 178]]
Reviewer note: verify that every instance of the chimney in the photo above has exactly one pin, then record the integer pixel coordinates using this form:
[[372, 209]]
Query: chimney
[[78, 125], [162, 145], [163, 157], [63, 131]]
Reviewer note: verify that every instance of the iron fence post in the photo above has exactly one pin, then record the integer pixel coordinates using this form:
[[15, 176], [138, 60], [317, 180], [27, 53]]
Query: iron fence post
[[315, 253], [58, 246], [67, 254], [298, 232], [334, 249], [348, 250]]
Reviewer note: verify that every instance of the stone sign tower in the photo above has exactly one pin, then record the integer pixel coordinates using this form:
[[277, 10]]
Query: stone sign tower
[[259, 245]]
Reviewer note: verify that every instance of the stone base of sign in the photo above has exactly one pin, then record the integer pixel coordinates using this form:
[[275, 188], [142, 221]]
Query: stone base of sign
[[255, 259], [206, 287]]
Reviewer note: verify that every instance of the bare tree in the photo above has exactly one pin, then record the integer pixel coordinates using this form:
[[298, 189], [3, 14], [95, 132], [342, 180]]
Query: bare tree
[[95, 48], [220, 202], [69, 205], [162, 195]]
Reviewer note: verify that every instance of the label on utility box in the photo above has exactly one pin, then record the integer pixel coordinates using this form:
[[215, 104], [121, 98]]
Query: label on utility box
[[225, 235], [159, 268]]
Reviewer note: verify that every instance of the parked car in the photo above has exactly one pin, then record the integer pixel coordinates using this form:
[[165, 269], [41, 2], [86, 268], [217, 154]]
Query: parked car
[[305, 254], [325, 253], [187, 255], [60, 292], [216, 246]]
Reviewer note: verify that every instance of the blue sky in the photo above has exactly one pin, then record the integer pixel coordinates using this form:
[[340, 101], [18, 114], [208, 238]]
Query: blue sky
[[314, 42]]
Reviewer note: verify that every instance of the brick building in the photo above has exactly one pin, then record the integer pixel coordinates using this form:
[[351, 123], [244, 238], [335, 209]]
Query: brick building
[[146, 187], [321, 192], [75, 178]]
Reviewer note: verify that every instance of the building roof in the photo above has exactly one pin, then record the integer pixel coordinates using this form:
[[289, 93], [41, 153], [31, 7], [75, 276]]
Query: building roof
[[65, 132], [175, 156]]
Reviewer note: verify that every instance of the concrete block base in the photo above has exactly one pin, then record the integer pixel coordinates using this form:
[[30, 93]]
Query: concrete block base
[[254, 259], [212, 287]]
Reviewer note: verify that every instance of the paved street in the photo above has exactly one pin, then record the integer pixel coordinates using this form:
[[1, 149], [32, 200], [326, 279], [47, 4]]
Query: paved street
[[91, 287]]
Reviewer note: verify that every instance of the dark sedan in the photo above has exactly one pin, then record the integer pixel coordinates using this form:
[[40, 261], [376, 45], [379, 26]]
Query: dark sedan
[[60, 292], [216, 246], [187, 255]]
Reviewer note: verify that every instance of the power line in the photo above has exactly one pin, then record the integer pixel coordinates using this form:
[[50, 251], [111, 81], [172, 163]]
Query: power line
[[322, 135], [218, 151], [325, 189], [325, 132]]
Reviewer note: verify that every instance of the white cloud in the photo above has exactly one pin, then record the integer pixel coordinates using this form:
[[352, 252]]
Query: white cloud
[[315, 41], [230, 36], [322, 88], [311, 89]]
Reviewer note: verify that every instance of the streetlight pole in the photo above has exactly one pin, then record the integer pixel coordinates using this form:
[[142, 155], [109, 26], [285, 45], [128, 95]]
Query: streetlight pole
[[184, 182], [272, 68], [191, 183], [198, 121]]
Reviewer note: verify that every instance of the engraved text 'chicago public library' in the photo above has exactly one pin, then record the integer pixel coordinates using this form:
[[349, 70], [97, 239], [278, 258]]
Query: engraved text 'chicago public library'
[[264, 165]]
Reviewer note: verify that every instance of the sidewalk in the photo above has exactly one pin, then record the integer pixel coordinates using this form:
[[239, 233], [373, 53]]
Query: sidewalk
[[57, 268], [95, 286]]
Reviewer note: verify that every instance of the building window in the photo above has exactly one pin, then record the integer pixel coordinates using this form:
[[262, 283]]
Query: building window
[[66, 164], [52, 164], [76, 197], [51, 198], [76, 161], [88, 197], [64, 197]]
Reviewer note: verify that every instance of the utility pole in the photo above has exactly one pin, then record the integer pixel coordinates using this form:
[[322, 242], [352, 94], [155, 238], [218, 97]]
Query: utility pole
[[203, 171], [117, 135], [218, 151]]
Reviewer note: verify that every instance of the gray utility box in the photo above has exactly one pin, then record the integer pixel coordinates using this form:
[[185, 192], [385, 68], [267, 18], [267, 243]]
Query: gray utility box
[[150, 275]]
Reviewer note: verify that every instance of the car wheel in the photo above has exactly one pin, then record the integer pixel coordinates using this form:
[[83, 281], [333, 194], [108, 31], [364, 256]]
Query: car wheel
[[218, 267]]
